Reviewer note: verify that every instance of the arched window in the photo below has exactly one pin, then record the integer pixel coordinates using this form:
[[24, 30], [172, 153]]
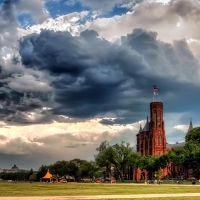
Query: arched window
[[155, 117], [156, 140]]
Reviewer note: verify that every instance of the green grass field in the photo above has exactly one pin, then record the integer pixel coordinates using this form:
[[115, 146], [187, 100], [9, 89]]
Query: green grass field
[[66, 189]]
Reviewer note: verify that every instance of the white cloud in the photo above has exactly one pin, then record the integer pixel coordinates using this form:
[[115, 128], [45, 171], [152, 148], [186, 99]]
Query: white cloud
[[183, 128], [75, 139], [36, 8], [63, 23], [19, 83]]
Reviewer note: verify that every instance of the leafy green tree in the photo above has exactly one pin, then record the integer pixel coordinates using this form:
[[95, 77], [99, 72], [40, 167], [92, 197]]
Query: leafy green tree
[[122, 157], [89, 169], [60, 168], [189, 155], [152, 164], [192, 157], [134, 158], [32, 177], [77, 167], [104, 158], [175, 159], [193, 136], [41, 172]]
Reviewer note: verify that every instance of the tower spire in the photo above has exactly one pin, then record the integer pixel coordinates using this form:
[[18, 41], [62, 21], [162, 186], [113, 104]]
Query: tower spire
[[140, 128], [190, 126], [146, 127]]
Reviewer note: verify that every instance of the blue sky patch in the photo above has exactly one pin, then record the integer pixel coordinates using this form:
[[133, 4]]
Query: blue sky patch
[[25, 20], [62, 8]]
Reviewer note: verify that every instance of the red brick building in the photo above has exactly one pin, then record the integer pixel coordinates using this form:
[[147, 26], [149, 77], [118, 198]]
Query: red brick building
[[151, 140]]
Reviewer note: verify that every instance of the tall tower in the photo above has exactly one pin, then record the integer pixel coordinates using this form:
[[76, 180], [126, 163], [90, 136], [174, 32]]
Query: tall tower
[[157, 130], [151, 139]]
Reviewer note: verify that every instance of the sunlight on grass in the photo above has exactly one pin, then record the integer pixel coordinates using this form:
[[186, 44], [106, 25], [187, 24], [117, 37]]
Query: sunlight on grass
[[49, 189]]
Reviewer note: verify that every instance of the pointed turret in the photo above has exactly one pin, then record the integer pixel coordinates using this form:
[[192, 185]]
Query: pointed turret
[[140, 128], [146, 127], [190, 126]]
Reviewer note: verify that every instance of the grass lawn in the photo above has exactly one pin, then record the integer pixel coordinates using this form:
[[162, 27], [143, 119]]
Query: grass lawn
[[65, 189]]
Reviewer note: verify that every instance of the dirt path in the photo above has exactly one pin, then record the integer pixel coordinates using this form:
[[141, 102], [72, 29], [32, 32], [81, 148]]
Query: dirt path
[[102, 196]]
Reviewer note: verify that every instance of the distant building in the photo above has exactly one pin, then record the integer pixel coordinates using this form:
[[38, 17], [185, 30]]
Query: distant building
[[151, 140], [13, 169]]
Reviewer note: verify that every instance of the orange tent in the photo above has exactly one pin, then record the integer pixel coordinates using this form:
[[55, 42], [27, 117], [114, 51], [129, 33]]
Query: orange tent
[[48, 175]]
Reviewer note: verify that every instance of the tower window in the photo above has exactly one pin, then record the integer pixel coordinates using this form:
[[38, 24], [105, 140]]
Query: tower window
[[155, 118], [160, 140], [158, 119], [156, 140]]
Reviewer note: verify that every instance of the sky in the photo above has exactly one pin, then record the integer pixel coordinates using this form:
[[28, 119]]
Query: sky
[[74, 73]]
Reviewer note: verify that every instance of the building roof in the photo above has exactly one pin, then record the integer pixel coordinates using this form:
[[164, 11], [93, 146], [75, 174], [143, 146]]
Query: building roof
[[14, 167], [170, 146], [48, 175]]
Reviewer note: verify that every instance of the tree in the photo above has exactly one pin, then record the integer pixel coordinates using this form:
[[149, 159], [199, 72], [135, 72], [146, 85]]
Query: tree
[[152, 164], [32, 177], [77, 167], [134, 158], [193, 136], [122, 158], [60, 168], [175, 159], [191, 156], [89, 169], [104, 157], [41, 172]]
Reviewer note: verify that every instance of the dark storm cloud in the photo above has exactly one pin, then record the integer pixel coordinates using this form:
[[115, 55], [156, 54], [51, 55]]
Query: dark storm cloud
[[20, 108], [31, 104], [28, 118], [93, 77], [7, 10]]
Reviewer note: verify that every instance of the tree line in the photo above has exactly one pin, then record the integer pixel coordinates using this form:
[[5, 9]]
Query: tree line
[[119, 161]]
